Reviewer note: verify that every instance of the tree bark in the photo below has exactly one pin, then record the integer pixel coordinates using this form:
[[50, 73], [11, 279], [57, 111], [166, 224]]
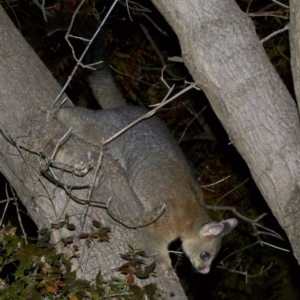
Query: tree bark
[[294, 31], [26, 91], [225, 57]]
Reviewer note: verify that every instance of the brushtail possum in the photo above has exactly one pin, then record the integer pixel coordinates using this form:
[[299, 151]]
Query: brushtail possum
[[153, 163], [158, 174]]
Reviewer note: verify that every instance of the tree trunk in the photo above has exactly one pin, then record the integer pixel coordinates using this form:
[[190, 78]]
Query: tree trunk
[[295, 45], [223, 54], [26, 90]]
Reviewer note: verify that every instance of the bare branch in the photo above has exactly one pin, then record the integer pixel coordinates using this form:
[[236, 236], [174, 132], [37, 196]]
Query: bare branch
[[49, 110], [8, 199], [280, 4], [275, 33], [18, 214], [245, 273], [219, 181], [151, 112], [235, 188]]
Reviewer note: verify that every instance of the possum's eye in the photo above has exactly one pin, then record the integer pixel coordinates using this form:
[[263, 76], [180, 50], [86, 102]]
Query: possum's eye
[[204, 255]]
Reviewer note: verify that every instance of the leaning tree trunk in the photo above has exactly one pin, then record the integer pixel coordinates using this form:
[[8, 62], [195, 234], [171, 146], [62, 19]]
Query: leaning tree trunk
[[26, 91], [295, 45], [223, 54]]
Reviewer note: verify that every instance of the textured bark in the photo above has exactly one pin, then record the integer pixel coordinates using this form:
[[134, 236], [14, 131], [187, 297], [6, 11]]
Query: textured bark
[[295, 45], [223, 54], [26, 90]]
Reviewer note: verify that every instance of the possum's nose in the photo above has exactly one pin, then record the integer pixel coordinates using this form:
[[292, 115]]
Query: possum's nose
[[204, 270]]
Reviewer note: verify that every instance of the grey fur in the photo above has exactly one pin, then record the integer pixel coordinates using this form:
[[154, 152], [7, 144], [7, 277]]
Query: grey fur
[[158, 174]]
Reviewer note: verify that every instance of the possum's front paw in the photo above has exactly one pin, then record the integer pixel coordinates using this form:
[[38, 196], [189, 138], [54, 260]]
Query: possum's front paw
[[164, 260], [171, 274]]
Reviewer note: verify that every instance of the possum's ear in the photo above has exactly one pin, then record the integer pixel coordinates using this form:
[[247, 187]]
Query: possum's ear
[[219, 228], [229, 225]]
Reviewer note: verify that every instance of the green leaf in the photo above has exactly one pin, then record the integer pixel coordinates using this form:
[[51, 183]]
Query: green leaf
[[99, 278], [117, 279], [70, 275], [26, 263], [10, 250], [82, 284], [36, 296], [144, 272], [135, 288], [66, 263], [150, 289], [28, 280], [19, 273], [96, 224], [55, 270], [71, 227], [29, 289]]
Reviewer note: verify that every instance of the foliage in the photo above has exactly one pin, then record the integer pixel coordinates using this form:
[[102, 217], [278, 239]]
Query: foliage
[[36, 271]]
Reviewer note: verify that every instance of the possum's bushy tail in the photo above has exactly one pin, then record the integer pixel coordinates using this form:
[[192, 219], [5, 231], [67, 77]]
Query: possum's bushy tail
[[101, 81], [105, 90]]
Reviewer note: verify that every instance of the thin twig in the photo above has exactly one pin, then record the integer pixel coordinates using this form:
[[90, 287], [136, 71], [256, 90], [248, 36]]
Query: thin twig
[[190, 123], [245, 273], [275, 233], [275, 33], [15, 15], [8, 199], [155, 25], [18, 213], [137, 7], [235, 188], [150, 113], [60, 142], [235, 212], [42, 8], [248, 6], [92, 187], [165, 83], [155, 48], [268, 14], [129, 75], [136, 223], [212, 184], [128, 11], [132, 225], [58, 183], [280, 4], [254, 224], [276, 247], [237, 251]]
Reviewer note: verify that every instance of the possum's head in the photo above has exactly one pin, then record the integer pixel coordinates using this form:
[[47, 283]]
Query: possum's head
[[203, 247]]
